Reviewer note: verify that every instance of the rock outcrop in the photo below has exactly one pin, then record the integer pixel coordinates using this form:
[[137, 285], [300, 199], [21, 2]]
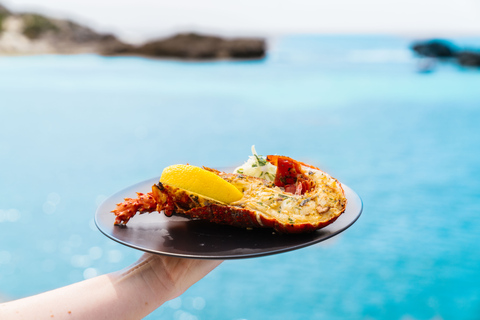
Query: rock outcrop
[[30, 33], [446, 51], [193, 46], [435, 49], [469, 58]]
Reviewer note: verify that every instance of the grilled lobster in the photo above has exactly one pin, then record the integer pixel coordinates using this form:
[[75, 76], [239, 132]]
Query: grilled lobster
[[301, 198]]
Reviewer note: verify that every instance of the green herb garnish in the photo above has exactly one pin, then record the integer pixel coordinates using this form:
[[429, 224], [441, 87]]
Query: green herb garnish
[[260, 160]]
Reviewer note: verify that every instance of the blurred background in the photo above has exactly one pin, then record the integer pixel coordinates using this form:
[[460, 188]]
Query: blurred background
[[359, 89]]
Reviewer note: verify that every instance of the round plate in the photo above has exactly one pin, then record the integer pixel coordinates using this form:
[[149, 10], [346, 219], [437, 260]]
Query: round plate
[[186, 238]]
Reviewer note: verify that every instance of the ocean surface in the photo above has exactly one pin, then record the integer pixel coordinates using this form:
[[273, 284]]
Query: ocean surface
[[76, 129]]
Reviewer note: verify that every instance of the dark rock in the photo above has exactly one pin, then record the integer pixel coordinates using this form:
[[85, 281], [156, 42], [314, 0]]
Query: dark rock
[[469, 58], [245, 48], [192, 46], [185, 46], [112, 46], [435, 49]]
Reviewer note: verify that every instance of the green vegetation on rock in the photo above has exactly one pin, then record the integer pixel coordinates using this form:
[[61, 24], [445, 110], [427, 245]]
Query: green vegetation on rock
[[4, 13], [2, 18], [36, 25]]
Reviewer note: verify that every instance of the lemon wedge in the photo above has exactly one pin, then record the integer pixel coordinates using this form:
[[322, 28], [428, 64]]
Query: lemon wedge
[[200, 181]]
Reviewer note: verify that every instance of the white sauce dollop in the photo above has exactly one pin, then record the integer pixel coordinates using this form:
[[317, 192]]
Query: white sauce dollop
[[257, 166]]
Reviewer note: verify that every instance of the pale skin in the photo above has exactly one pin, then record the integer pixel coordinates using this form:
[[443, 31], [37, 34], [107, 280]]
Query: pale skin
[[131, 293]]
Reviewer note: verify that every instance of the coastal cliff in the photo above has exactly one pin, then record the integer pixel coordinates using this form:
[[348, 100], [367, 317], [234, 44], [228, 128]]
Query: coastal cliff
[[31, 33]]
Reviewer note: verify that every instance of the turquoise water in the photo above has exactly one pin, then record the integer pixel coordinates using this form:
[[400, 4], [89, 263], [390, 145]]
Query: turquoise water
[[75, 129]]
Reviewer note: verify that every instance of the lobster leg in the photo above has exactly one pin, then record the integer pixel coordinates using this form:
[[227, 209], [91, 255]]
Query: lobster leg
[[127, 209]]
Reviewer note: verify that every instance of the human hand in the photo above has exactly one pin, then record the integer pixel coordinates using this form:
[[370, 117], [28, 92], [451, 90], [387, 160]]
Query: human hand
[[169, 277]]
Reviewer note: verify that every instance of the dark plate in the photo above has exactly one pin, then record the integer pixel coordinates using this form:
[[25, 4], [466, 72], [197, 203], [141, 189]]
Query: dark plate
[[182, 237]]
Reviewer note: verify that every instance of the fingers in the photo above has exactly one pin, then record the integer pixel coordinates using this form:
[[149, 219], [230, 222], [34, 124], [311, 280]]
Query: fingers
[[177, 274], [197, 269]]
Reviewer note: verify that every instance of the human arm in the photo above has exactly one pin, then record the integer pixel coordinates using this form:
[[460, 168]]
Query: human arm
[[131, 293]]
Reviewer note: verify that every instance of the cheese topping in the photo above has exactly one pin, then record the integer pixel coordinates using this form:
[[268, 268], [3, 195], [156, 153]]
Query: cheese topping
[[324, 201]]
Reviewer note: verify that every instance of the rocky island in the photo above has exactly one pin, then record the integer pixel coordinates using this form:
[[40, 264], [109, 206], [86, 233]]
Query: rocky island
[[31, 33], [446, 51]]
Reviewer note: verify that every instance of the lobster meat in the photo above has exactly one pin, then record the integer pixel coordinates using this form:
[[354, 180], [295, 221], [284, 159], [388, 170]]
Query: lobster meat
[[302, 198]]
